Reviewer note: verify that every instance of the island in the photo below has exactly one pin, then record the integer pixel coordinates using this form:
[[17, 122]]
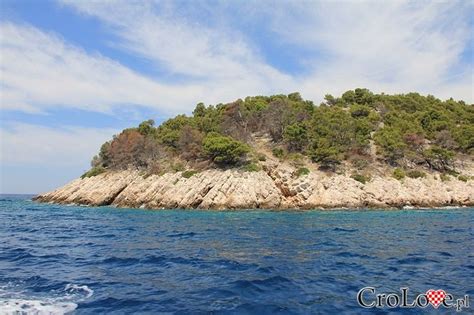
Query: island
[[359, 150]]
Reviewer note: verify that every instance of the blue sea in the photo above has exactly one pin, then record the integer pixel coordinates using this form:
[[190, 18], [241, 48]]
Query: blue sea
[[85, 260]]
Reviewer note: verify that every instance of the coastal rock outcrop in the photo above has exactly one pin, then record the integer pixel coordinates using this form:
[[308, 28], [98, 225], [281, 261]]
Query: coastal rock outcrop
[[275, 187], [359, 150]]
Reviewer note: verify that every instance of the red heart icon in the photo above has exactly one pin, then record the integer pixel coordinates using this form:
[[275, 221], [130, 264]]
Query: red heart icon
[[435, 297]]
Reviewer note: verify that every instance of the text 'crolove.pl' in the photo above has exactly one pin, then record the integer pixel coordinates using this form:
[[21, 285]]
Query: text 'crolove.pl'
[[368, 298]]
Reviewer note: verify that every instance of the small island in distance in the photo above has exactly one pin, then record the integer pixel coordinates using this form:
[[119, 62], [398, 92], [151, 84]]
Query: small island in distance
[[360, 150]]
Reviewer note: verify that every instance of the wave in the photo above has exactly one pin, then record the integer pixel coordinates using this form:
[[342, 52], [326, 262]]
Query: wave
[[36, 307], [14, 301], [74, 290], [182, 235]]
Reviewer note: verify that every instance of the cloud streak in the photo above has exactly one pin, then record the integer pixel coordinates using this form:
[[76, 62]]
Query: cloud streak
[[179, 44], [394, 47], [41, 70], [32, 144], [36, 158]]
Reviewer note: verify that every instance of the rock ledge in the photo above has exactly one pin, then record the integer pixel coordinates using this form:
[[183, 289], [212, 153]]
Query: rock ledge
[[275, 188]]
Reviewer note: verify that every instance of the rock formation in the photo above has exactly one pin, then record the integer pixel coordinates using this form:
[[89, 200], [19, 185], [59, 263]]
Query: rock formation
[[275, 187]]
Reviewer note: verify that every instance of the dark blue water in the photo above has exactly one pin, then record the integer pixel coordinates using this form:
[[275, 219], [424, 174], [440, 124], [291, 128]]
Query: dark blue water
[[123, 261]]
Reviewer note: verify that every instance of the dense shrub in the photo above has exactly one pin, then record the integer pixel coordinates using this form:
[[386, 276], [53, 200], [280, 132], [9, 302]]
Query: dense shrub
[[189, 173], [146, 128], [463, 178], [398, 173], [302, 171], [416, 174], [169, 132], [444, 177], [295, 159], [177, 167], [278, 152], [390, 143], [93, 172], [252, 167], [360, 178], [328, 156], [406, 130], [296, 136], [224, 150], [261, 157]]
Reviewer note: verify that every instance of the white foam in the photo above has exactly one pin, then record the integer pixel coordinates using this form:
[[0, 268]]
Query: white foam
[[35, 307], [14, 302], [79, 289]]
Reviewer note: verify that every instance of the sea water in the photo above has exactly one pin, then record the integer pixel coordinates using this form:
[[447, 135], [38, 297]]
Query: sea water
[[85, 260]]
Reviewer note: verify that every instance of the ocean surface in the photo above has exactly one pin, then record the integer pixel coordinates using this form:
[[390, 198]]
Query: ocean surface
[[83, 260]]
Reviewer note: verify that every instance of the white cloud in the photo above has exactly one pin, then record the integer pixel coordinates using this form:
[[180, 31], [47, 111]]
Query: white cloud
[[220, 60], [40, 70], [389, 46], [26, 144], [37, 158], [179, 44]]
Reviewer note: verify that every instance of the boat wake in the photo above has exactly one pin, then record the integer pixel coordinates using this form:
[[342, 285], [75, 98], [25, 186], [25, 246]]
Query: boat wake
[[13, 301]]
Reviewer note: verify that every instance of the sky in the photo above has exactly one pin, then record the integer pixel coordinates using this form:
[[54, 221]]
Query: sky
[[74, 73]]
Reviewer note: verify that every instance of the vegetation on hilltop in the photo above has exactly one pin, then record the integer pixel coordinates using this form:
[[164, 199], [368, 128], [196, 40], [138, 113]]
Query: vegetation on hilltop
[[407, 130]]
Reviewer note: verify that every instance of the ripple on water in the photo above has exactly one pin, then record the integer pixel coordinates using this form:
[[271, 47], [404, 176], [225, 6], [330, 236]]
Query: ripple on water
[[121, 261], [340, 229], [259, 286], [182, 235], [415, 261], [251, 262]]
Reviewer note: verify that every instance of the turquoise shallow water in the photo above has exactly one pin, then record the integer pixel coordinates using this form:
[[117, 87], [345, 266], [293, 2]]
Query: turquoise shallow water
[[129, 261]]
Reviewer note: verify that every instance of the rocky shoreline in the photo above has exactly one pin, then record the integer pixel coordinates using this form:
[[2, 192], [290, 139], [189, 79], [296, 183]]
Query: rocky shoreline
[[275, 187]]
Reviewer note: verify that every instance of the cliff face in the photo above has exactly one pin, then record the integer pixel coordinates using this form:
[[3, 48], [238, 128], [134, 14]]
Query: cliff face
[[275, 187]]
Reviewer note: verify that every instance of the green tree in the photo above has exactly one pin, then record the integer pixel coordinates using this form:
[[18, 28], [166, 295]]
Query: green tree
[[391, 144], [296, 97], [146, 128], [224, 150], [363, 96], [200, 110], [328, 156], [358, 111], [408, 129], [335, 126], [296, 136], [330, 100], [104, 155], [464, 136], [170, 131]]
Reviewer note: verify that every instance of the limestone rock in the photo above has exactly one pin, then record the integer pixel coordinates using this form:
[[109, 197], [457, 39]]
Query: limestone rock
[[276, 187]]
